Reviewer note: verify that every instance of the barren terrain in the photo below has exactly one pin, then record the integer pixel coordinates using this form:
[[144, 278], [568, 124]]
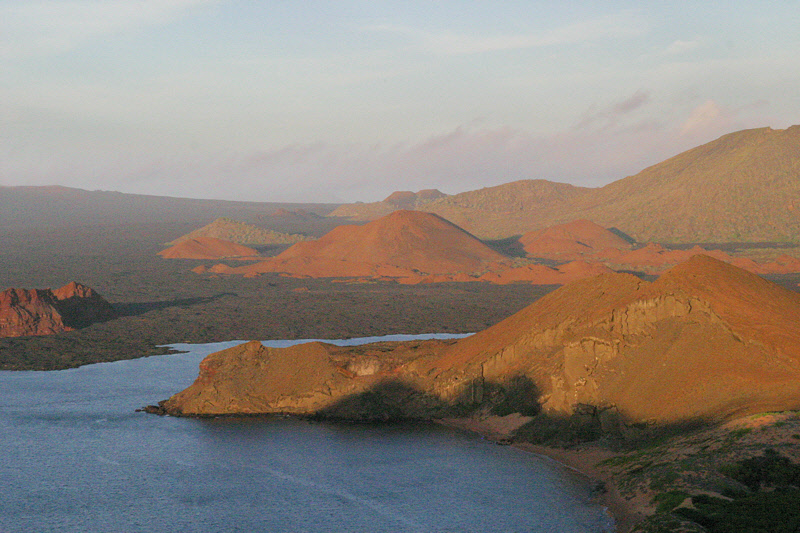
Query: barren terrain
[[160, 301]]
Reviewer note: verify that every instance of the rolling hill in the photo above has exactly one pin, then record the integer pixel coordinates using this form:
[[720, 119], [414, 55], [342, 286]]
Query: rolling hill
[[742, 187], [402, 243], [237, 232]]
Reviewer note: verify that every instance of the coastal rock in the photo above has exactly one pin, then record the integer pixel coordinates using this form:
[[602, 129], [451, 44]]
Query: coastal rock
[[313, 378], [707, 340], [46, 312]]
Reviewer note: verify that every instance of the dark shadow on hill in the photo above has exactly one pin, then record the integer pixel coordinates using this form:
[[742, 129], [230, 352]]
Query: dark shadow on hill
[[270, 250], [395, 399], [591, 423], [79, 312], [731, 247], [389, 400], [140, 308], [619, 233], [548, 262], [639, 274], [509, 246]]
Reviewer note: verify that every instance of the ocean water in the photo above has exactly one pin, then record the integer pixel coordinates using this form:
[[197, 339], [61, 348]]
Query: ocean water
[[77, 457]]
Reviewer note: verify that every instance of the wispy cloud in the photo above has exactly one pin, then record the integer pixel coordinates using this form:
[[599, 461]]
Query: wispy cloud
[[610, 116], [466, 157], [709, 117], [54, 26], [617, 26], [680, 47]]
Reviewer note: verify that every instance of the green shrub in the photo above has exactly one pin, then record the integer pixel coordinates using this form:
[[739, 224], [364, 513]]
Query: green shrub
[[661, 481], [768, 511], [667, 501], [774, 512], [771, 469]]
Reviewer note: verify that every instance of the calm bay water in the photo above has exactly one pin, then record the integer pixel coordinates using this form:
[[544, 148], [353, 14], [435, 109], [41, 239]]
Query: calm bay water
[[76, 457]]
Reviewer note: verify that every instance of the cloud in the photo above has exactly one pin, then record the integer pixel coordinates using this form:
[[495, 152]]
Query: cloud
[[467, 157], [637, 100], [616, 26], [680, 47], [611, 115], [708, 117], [470, 156], [54, 26]]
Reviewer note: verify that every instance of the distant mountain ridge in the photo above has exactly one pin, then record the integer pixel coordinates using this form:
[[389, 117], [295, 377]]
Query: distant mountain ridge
[[393, 202], [509, 209], [742, 187], [51, 206]]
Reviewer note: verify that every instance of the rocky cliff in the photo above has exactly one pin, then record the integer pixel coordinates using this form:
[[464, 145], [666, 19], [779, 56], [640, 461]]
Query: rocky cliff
[[707, 340], [45, 312], [362, 382]]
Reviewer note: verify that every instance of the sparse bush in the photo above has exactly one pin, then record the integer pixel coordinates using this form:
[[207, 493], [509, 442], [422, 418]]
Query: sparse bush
[[667, 501], [660, 482], [774, 511], [771, 469]]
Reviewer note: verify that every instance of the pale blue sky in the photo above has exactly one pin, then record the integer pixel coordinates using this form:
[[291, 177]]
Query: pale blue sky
[[347, 100]]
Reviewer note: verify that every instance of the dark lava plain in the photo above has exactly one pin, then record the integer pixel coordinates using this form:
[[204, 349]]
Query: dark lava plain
[[162, 302]]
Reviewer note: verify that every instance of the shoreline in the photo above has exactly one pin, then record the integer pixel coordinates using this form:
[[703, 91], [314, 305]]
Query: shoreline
[[581, 460]]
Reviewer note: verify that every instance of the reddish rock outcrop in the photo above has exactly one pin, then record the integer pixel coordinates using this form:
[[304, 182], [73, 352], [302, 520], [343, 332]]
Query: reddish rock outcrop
[[45, 312], [705, 341], [409, 247], [654, 258]]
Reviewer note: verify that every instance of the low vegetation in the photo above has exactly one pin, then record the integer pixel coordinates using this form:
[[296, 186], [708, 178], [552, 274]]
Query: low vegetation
[[738, 477]]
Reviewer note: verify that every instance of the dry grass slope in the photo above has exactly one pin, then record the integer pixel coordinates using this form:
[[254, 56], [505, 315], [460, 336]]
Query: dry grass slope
[[742, 187]]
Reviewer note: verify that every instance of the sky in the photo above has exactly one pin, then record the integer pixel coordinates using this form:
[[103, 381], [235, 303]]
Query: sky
[[343, 101]]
